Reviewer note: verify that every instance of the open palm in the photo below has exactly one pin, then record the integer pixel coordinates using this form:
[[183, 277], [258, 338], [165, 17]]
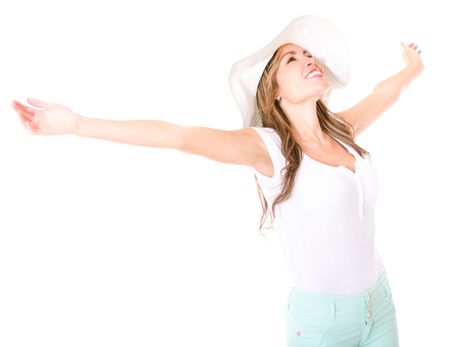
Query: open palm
[[50, 119]]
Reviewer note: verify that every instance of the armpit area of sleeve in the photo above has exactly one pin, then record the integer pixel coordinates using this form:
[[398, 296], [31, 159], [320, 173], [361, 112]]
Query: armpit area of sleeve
[[268, 135]]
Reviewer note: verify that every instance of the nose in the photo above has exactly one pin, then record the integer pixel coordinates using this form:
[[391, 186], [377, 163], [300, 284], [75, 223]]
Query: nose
[[310, 61]]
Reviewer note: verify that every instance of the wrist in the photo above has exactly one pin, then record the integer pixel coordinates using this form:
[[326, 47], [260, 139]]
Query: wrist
[[415, 68], [77, 126]]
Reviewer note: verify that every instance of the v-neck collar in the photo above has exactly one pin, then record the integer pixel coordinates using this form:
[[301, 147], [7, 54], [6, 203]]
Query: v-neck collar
[[350, 150]]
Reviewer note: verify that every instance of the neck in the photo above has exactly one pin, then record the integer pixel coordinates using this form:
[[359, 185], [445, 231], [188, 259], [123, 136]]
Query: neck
[[306, 123]]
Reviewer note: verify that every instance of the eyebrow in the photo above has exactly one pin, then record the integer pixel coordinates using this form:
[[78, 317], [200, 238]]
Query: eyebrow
[[293, 52]]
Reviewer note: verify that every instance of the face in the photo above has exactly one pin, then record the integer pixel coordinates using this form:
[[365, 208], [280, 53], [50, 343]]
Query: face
[[294, 85]]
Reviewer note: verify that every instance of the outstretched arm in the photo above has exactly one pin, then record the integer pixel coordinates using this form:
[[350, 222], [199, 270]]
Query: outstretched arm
[[385, 93], [56, 119], [242, 146]]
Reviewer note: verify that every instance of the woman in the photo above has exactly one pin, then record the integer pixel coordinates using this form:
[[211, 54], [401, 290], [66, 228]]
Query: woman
[[315, 181]]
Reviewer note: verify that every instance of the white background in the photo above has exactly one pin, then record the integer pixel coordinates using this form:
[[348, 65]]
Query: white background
[[106, 244]]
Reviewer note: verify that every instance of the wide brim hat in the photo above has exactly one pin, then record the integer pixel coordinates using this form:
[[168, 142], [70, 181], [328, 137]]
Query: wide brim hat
[[319, 36]]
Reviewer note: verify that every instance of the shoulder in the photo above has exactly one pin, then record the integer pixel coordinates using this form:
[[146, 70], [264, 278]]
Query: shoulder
[[265, 133]]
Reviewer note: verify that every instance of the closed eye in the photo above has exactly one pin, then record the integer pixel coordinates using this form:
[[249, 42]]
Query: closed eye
[[309, 55], [289, 60]]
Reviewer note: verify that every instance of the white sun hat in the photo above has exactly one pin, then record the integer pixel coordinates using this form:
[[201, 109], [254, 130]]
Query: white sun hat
[[316, 34]]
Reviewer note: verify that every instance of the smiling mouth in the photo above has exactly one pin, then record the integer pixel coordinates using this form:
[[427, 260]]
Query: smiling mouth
[[314, 74]]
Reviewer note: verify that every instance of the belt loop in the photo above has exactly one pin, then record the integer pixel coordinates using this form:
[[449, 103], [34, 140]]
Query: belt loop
[[332, 310]]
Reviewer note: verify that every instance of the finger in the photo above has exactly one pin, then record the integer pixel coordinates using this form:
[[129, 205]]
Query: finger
[[411, 44], [24, 122], [28, 126], [32, 130], [25, 107], [33, 127], [38, 103], [20, 107], [24, 114]]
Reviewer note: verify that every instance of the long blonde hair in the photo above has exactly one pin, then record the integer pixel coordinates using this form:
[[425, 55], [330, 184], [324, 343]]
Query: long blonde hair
[[273, 117]]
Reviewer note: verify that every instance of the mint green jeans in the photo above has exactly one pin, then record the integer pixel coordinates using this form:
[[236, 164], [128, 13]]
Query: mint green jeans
[[366, 319]]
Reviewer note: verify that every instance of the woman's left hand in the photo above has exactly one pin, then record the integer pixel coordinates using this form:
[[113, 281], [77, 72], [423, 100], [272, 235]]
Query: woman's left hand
[[411, 55]]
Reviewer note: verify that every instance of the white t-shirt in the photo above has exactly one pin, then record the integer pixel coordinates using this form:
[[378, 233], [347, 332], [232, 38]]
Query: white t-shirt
[[327, 226]]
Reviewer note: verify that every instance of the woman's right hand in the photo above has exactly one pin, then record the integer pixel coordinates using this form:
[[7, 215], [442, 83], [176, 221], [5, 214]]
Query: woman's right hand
[[51, 119]]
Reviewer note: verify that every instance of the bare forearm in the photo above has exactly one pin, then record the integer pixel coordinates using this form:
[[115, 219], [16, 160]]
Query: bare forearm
[[152, 133], [400, 81]]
